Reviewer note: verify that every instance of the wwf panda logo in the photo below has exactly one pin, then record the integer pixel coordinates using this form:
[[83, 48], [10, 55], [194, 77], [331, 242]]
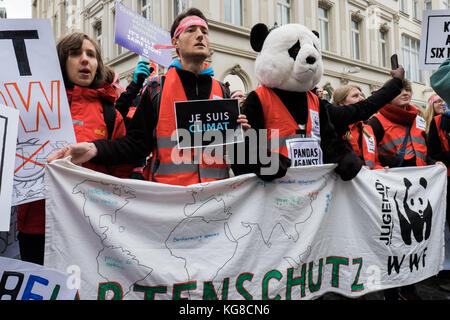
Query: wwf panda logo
[[415, 213]]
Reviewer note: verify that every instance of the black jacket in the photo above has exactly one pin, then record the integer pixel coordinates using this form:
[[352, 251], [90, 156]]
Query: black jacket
[[435, 150]]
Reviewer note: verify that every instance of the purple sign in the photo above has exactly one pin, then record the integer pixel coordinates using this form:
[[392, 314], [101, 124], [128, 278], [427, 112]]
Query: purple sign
[[139, 35]]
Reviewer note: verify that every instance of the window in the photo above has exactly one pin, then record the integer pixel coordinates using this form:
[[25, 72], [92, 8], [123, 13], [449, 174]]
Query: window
[[119, 48], [356, 40], [233, 11], [98, 33], [284, 12], [416, 10], [383, 48], [428, 5], [323, 28], [404, 6], [146, 9], [179, 6], [66, 9], [56, 25], [410, 51]]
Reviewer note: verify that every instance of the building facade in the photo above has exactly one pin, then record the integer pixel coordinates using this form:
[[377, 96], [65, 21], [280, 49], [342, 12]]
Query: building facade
[[3, 14], [357, 36]]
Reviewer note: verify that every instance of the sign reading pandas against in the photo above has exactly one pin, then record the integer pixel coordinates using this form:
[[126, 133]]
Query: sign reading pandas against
[[435, 41], [31, 82], [304, 152]]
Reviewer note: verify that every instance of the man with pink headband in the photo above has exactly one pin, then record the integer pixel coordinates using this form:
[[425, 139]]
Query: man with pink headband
[[189, 77]]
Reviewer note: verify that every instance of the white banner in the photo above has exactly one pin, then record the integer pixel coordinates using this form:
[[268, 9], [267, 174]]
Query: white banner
[[31, 82], [242, 238]]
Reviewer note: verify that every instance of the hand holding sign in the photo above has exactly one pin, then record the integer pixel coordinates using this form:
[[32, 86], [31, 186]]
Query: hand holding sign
[[200, 121]]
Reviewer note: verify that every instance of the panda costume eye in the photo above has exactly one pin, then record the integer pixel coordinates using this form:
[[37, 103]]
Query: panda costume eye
[[294, 50]]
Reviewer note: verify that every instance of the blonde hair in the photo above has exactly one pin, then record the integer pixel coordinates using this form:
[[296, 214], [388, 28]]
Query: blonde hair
[[341, 93], [429, 113]]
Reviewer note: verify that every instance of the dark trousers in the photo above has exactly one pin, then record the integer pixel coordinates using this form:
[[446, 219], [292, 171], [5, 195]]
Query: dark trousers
[[392, 294], [32, 247]]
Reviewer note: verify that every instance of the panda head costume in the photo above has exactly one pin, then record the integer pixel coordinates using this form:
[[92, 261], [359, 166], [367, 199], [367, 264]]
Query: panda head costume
[[289, 57], [288, 67]]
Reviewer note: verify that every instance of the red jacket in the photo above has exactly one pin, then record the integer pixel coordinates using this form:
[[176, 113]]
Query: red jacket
[[188, 172], [368, 143], [86, 109], [394, 121], [277, 117]]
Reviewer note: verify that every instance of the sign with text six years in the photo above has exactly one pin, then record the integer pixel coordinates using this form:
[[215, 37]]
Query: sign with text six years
[[207, 123], [243, 238], [435, 41]]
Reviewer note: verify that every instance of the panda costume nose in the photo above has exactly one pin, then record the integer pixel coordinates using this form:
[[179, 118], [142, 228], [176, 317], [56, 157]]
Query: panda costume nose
[[310, 60]]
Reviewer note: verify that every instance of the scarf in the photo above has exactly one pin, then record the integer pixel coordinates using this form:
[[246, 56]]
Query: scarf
[[208, 71], [398, 115]]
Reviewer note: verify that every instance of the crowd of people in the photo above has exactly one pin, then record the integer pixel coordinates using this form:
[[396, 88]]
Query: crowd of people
[[126, 132]]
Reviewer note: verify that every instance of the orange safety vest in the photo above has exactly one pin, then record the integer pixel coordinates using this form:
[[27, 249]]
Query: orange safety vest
[[277, 117], [195, 165], [369, 153], [394, 135], [442, 137]]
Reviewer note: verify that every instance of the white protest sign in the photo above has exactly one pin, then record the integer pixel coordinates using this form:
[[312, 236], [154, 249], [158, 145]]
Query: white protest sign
[[21, 280], [435, 41], [304, 152], [31, 82], [9, 120], [242, 238]]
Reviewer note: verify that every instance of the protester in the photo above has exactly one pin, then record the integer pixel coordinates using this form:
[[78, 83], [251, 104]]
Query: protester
[[438, 139], [189, 78], [89, 97], [401, 141], [319, 93], [240, 95], [434, 108], [359, 134]]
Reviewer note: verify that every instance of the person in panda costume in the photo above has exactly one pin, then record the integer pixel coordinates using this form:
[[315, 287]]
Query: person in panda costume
[[289, 65]]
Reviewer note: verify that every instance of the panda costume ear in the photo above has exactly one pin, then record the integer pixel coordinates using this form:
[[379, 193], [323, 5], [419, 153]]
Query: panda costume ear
[[258, 35], [316, 33]]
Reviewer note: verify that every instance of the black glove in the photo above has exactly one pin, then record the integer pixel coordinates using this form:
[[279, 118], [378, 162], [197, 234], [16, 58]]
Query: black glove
[[284, 165]]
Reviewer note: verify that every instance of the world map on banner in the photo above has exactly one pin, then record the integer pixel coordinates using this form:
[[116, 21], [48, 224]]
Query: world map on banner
[[241, 238]]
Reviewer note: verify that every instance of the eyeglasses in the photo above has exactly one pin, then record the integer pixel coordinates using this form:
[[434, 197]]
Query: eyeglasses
[[440, 101]]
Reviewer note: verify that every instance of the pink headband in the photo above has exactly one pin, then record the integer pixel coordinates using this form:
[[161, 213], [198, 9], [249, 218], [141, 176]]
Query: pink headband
[[433, 98], [184, 24], [187, 22]]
